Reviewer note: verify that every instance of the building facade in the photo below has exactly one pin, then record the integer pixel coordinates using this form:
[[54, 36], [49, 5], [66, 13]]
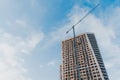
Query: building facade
[[83, 62]]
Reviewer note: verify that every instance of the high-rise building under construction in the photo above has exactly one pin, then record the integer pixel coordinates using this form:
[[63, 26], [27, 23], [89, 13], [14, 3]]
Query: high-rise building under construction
[[82, 61]]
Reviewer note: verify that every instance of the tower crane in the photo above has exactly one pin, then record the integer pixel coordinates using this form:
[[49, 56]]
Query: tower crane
[[74, 45]]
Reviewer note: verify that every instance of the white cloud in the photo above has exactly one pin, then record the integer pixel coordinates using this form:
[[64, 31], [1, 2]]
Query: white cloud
[[20, 22], [33, 2], [51, 63], [105, 31], [93, 1], [12, 48], [41, 66]]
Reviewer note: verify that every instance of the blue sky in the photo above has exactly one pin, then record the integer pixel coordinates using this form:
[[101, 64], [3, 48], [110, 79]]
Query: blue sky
[[31, 32]]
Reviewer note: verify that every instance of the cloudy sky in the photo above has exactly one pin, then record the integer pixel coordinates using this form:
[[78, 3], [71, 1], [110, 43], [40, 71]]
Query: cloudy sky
[[31, 32]]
